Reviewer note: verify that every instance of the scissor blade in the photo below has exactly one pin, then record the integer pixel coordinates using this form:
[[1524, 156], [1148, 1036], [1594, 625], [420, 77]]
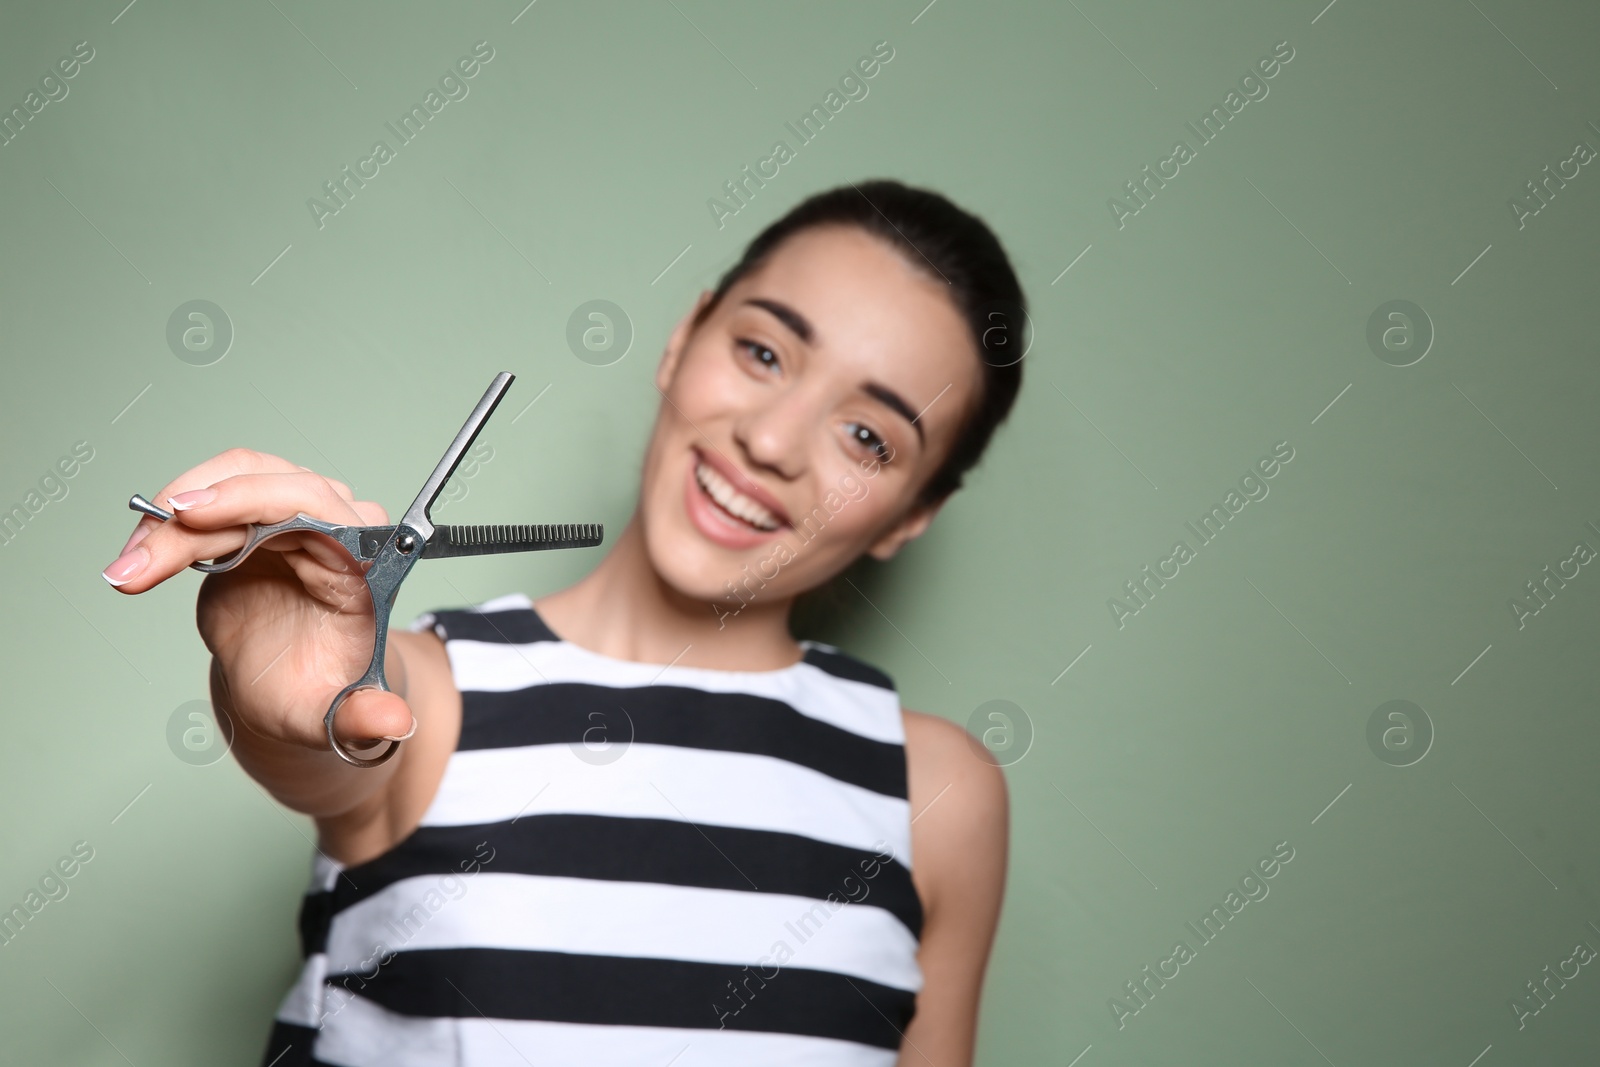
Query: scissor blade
[[416, 515], [488, 540]]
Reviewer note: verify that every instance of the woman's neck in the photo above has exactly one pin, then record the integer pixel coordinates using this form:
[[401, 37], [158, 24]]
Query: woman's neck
[[625, 610]]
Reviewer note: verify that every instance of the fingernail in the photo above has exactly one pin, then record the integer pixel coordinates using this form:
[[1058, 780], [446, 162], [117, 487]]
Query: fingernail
[[408, 733], [127, 565], [192, 499], [139, 534]]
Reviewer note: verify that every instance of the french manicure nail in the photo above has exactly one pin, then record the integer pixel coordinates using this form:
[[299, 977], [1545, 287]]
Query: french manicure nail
[[408, 733], [127, 565], [192, 499], [138, 535]]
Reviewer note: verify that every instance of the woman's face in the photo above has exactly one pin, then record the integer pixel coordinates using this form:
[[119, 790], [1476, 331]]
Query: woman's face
[[801, 419]]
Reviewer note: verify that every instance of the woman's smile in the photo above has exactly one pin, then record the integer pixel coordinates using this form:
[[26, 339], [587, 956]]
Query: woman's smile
[[732, 517]]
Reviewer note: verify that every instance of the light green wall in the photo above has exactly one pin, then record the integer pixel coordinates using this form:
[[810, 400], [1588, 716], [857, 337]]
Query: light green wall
[[1177, 351]]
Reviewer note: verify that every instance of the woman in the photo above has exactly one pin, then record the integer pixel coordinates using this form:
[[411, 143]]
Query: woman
[[635, 821]]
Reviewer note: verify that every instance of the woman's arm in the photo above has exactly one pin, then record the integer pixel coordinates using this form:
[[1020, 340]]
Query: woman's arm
[[959, 831]]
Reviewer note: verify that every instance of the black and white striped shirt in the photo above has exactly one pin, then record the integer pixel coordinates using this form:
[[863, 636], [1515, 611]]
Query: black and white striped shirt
[[627, 864]]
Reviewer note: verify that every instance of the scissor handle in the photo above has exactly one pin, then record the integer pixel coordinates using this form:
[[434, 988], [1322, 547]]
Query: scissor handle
[[401, 548], [390, 565], [347, 536], [373, 679]]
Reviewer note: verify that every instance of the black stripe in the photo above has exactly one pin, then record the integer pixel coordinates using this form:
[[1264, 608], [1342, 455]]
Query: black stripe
[[843, 665], [524, 626], [596, 716], [609, 848], [516, 626], [635, 991], [316, 915], [289, 1045]]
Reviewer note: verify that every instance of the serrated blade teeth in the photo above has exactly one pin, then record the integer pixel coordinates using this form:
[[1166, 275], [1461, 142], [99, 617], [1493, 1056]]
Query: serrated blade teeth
[[499, 535], [487, 539]]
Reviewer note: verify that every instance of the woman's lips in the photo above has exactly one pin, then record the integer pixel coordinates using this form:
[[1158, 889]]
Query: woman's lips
[[713, 521], [741, 483]]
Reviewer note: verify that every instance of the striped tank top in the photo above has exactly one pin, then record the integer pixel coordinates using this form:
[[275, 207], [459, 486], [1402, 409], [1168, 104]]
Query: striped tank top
[[627, 864]]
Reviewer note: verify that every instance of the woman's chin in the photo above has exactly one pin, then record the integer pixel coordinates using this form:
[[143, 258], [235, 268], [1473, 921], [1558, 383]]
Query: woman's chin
[[693, 568]]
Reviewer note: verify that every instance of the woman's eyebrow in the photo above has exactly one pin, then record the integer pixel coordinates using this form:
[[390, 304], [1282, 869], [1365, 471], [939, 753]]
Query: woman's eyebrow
[[788, 316], [894, 400], [802, 329]]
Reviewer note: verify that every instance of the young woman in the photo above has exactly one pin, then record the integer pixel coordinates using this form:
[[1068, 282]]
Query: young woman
[[635, 821]]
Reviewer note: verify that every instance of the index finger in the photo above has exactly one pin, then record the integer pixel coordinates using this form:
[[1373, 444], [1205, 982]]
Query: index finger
[[203, 475]]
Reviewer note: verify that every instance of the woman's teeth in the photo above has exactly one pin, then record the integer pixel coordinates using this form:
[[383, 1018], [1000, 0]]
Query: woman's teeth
[[732, 501]]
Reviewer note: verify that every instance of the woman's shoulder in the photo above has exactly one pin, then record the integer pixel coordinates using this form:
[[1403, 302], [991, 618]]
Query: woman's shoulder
[[959, 803]]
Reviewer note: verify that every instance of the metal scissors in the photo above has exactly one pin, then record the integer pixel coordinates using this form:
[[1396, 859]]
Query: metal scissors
[[394, 550]]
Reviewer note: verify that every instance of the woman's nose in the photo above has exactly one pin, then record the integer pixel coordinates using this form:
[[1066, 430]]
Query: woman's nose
[[775, 435]]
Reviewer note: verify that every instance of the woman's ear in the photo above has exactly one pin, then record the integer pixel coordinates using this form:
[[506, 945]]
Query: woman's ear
[[673, 353], [907, 529]]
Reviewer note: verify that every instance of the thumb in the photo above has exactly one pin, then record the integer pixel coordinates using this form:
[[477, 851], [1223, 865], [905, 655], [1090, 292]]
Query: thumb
[[369, 717]]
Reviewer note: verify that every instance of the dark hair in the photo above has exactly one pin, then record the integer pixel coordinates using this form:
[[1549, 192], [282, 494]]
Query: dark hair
[[948, 243]]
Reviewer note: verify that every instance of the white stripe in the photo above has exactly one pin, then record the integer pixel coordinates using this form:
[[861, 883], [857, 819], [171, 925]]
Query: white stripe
[[665, 782], [303, 1004], [767, 931], [366, 1035], [360, 1033], [860, 707]]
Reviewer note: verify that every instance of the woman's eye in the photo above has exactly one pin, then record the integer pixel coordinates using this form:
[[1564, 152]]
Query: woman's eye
[[760, 353], [864, 437]]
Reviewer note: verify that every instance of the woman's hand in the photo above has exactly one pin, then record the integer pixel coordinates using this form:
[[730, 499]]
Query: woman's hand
[[288, 628]]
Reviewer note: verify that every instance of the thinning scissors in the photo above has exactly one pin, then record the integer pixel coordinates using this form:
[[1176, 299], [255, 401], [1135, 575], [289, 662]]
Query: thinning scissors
[[394, 550]]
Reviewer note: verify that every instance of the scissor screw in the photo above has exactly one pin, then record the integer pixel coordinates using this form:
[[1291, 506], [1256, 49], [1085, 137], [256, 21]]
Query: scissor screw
[[406, 542]]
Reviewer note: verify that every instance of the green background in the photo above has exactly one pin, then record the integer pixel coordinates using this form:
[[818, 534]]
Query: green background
[[1178, 350]]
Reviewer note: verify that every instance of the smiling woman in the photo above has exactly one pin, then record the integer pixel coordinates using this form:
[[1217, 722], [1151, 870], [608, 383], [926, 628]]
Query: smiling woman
[[674, 796]]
